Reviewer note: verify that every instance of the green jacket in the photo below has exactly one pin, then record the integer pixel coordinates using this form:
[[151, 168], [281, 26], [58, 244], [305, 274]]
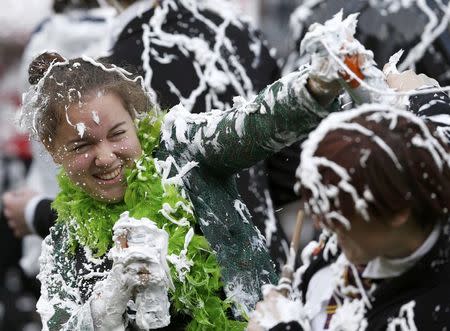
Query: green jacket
[[203, 152]]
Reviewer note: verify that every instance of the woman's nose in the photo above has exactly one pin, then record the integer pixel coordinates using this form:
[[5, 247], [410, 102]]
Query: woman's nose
[[105, 156]]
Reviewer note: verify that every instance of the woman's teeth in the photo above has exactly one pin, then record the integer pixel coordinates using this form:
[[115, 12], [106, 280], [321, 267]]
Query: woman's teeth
[[110, 175]]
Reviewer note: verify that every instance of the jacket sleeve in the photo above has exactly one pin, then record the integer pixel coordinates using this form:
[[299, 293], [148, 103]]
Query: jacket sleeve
[[44, 217], [60, 304], [228, 141]]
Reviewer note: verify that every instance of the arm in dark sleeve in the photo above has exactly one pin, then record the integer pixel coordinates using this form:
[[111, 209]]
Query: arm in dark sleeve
[[435, 108], [232, 140], [44, 217], [430, 105]]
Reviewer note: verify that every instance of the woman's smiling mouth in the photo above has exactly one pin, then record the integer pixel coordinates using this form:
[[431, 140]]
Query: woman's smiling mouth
[[109, 176]]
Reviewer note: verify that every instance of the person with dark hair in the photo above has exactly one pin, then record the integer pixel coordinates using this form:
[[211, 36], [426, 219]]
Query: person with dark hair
[[420, 28], [122, 184], [378, 181]]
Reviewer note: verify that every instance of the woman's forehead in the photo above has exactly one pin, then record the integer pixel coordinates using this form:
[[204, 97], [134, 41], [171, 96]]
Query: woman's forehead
[[94, 117], [96, 107]]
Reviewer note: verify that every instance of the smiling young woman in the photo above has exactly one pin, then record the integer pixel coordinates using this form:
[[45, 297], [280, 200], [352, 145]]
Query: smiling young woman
[[122, 160], [95, 145]]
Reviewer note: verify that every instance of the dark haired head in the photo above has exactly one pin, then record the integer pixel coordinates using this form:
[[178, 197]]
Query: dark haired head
[[376, 163], [61, 83]]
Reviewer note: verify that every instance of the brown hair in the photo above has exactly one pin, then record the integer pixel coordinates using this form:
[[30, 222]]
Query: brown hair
[[61, 83], [394, 161]]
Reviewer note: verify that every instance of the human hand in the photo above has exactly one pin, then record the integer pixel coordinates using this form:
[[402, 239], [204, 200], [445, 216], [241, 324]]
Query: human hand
[[149, 279], [324, 92], [141, 241], [110, 296], [133, 265], [333, 50], [14, 203], [140, 254]]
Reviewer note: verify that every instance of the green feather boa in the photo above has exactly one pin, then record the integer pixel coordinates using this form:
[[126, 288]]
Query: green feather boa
[[90, 223]]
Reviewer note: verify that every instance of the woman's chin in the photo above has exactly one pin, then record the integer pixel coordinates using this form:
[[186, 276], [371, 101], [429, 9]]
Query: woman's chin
[[110, 197]]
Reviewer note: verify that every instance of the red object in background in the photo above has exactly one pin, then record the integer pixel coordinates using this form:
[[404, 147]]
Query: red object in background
[[18, 144]]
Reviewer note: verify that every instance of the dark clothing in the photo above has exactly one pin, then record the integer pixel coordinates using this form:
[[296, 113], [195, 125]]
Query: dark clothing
[[11, 248], [382, 32], [385, 32], [180, 71], [13, 170], [435, 108], [426, 284], [245, 62], [44, 217], [221, 144], [15, 286]]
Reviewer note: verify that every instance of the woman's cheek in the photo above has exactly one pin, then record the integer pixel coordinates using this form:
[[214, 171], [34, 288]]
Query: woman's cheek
[[79, 165], [130, 149]]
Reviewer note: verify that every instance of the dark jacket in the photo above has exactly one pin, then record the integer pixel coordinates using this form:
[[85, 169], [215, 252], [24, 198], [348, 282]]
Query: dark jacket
[[222, 143], [245, 66], [44, 217]]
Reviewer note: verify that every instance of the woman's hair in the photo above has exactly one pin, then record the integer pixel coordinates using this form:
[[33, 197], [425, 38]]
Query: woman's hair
[[60, 83], [375, 163]]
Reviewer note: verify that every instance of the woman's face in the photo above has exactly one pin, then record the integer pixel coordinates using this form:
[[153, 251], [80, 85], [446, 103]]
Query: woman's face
[[94, 145]]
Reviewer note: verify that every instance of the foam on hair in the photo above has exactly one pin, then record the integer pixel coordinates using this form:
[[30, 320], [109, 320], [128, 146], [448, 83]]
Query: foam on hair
[[59, 83], [375, 161], [41, 64]]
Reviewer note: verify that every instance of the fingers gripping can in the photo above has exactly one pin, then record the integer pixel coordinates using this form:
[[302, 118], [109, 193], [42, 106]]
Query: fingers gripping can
[[146, 245]]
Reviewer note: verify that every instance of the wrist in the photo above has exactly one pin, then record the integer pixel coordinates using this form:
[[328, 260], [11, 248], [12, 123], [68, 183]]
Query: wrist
[[323, 92]]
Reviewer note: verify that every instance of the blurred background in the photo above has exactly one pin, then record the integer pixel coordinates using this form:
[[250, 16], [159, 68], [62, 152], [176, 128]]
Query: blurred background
[[385, 28]]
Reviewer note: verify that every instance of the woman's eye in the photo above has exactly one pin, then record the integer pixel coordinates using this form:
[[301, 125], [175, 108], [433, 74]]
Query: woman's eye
[[118, 133], [81, 148]]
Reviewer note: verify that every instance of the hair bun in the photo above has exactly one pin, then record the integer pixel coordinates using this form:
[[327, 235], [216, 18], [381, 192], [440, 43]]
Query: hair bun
[[40, 65]]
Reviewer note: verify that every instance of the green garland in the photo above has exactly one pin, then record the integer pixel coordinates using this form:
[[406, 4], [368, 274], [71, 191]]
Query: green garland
[[90, 224]]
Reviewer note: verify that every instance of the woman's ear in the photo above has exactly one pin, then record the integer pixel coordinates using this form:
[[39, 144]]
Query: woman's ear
[[400, 218]]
